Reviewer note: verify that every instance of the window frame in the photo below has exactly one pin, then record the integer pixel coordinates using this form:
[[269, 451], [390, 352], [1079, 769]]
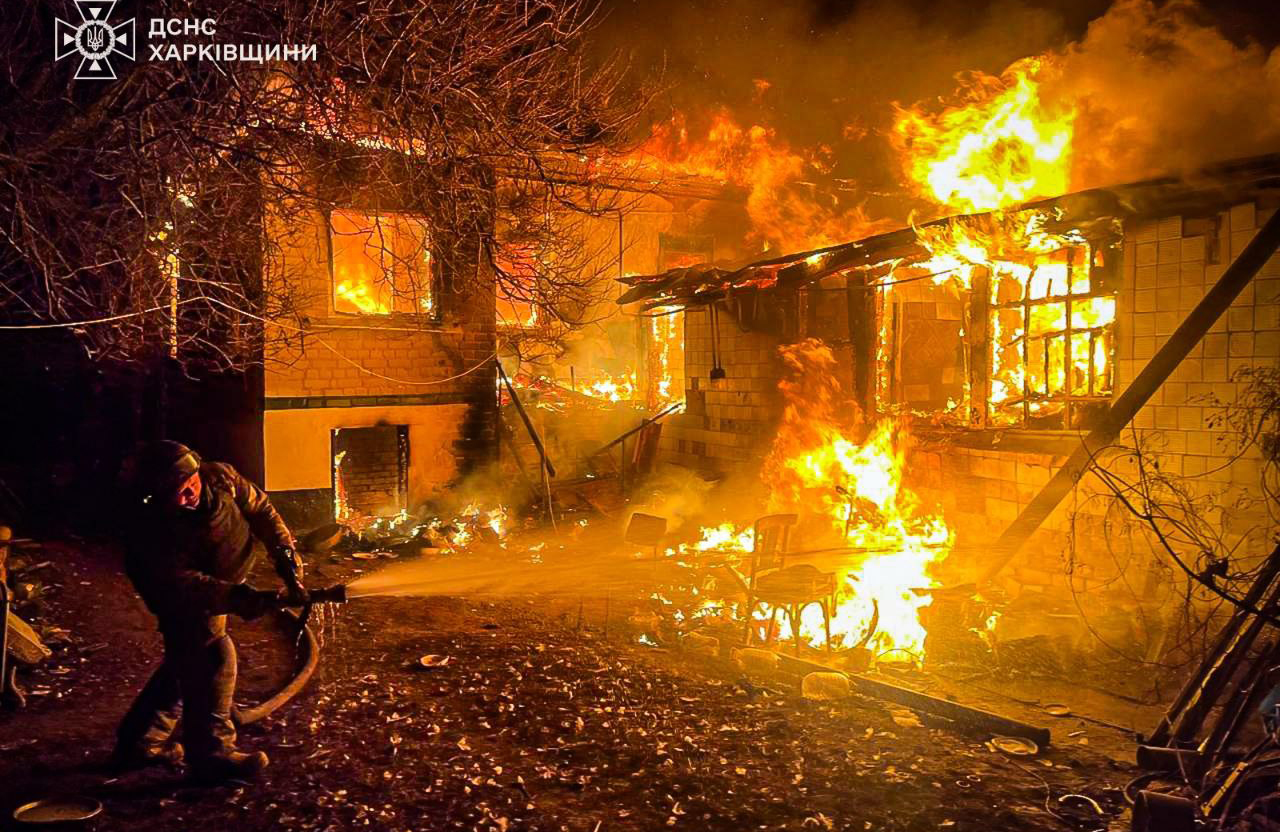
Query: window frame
[[979, 348], [1098, 288], [432, 314]]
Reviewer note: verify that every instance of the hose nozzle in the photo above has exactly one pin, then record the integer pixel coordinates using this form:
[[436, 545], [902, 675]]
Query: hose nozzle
[[336, 594]]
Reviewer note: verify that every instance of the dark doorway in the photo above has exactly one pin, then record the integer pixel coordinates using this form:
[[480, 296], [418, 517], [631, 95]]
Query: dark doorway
[[370, 471]]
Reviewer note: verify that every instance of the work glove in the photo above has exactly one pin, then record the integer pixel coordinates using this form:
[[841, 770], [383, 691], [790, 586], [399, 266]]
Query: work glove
[[250, 603], [291, 570]]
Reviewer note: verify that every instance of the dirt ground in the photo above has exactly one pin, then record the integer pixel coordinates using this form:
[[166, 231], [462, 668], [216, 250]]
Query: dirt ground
[[530, 725]]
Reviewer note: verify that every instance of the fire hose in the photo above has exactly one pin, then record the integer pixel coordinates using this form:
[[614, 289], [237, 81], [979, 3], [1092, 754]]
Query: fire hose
[[4, 637], [309, 650]]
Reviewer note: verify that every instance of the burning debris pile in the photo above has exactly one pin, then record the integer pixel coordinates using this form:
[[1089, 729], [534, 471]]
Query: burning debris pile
[[429, 529]]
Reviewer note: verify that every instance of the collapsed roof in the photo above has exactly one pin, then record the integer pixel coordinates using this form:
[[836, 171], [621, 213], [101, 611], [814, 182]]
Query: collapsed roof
[[1093, 212]]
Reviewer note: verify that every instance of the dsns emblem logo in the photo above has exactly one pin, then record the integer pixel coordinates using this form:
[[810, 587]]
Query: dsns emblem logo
[[94, 39]]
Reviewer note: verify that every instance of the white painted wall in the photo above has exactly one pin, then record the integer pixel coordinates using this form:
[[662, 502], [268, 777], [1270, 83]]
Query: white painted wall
[[298, 454]]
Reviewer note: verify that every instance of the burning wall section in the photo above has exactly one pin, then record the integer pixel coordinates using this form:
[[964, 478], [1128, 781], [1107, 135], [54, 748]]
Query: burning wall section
[[727, 422], [339, 370], [982, 479], [1094, 565]]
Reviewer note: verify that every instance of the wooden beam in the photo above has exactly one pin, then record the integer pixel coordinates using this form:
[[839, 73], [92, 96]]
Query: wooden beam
[[862, 341], [965, 716]]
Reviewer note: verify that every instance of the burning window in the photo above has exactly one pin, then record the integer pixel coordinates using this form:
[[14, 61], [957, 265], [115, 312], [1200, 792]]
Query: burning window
[[381, 263], [1005, 323], [370, 472], [1050, 334], [517, 275]]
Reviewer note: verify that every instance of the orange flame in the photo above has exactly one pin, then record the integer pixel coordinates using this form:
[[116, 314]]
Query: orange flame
[[786, 213], [853, 494], [1002, 143]]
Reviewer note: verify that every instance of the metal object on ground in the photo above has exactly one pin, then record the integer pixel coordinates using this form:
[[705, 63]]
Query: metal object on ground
[[1056, 709], [324, 538], [1082, 798], [825, 686], [1223, 692], [58, 813], [433, 660], [1159, 812], [22, 641], [1158, 758]]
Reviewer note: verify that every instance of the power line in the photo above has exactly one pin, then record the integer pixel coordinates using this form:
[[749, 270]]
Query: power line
[[246, 313]]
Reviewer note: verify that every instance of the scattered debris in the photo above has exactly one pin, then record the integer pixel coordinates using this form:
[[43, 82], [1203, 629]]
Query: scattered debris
[[825, 686], [1016, 746]]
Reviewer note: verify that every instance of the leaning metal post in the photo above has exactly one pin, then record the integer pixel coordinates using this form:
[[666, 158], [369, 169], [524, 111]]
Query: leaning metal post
[[1189, 333]]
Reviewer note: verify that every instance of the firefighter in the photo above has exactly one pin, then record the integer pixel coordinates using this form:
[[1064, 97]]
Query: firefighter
[[189, 548]]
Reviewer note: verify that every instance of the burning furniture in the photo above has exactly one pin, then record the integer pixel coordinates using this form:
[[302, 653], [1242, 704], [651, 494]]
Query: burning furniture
[[780, 587]]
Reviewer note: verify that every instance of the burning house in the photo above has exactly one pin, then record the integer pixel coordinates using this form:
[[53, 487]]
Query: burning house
[[772, 455], [920, 387], [388, 395]]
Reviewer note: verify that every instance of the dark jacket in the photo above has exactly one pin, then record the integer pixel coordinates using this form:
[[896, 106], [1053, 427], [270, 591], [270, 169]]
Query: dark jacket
[[188, 565]]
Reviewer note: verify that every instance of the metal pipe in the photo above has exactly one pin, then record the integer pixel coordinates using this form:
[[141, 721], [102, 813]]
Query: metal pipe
[[1219, 663], [528, 423], [336, 594], [644, 424]]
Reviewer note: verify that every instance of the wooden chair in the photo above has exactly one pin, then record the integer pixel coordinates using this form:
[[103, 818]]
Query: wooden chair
[[780, 586]]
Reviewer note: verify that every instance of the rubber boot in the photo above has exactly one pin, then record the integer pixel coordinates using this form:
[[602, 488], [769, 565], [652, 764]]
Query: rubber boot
[[228, 765]]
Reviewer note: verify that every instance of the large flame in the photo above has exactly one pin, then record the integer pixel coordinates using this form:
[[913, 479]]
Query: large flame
[[999, 144], [786, 212], [850, 492]]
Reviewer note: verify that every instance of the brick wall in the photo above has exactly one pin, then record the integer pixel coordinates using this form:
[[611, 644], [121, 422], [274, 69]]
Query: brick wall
[[371, 468], [727, 423], [356, 361], [390, 359], [1168, 264]]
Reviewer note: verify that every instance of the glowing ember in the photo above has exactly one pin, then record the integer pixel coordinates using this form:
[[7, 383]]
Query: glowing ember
[[666, 332], [342, 511], [619, 388], [724, 538]]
